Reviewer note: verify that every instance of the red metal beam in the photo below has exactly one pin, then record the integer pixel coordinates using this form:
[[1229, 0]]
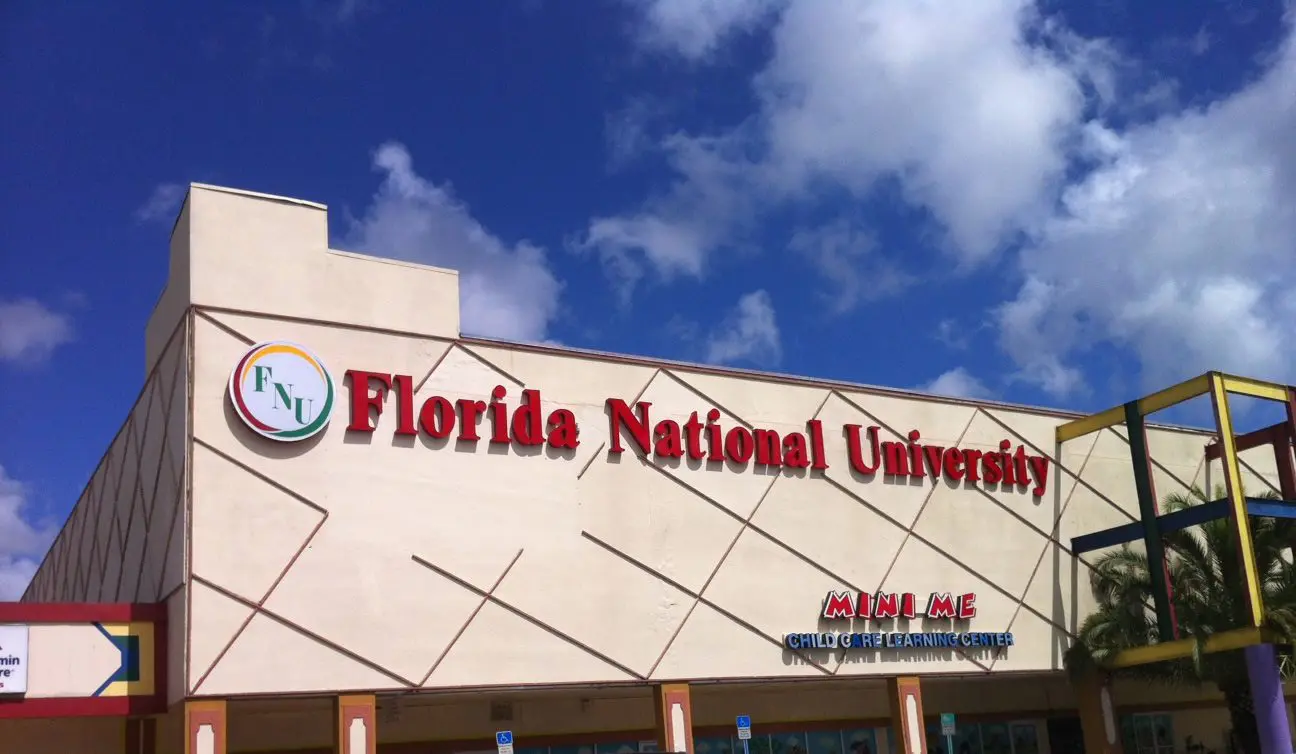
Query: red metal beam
[[1275, 435]]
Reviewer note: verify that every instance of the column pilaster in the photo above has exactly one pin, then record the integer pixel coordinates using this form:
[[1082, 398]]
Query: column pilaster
[[205, 727], [355, 728], [674, 718], [904, 693], [1098, 715]]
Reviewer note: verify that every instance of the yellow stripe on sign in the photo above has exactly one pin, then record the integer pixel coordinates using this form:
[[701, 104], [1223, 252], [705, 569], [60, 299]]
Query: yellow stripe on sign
[[281, 348], [146, 683]]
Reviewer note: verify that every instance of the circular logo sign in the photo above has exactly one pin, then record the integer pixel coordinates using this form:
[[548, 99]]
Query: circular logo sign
[[282, 391]]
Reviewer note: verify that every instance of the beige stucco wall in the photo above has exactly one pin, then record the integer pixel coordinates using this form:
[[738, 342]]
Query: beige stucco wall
[[361, 561]]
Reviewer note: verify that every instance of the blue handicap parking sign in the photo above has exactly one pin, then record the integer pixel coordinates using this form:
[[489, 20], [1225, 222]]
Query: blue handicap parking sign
[[744, 721], [504, 738]]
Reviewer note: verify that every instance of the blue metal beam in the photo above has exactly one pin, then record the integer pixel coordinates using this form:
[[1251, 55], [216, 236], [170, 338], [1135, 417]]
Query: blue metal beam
[[1191, 516], [1271, 508]]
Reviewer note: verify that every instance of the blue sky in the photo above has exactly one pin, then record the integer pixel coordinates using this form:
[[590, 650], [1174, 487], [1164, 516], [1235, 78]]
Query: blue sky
[[1047, 202]]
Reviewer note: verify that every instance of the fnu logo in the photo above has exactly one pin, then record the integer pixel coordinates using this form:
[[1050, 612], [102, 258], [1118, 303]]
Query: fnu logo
[[282, 391]]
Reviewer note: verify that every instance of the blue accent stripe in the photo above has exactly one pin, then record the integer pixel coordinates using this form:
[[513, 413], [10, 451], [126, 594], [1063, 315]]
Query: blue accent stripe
[[128, 668]]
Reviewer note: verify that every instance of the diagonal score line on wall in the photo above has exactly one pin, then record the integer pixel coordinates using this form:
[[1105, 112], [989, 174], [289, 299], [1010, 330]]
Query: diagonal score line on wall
[[490, 597], [418, 386], [1263, 479], [172, 530], [99, 467], [594, 456], [753, 527], [1057, 528], [487, 362], [132, 451], [228, 330], [471, 617], [958, 561], [1057, 461], [971, 571], [714, 403], [98, 500], [698, 599], [168, 399], [145, 500], [1054, 536], [1158, 465], [895, 558], [293, 626], [746, 524], [259, 605]]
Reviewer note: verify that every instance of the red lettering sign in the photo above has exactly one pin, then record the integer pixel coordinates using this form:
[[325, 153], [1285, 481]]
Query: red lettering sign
[[701, 437], [914, 459], [892, 605]]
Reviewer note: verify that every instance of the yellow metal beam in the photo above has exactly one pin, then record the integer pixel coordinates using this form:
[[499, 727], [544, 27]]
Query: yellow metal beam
[[1081, 427], [1162, 399], [1224, 641], [1255, 388], [1238, 517], [1176, 394]]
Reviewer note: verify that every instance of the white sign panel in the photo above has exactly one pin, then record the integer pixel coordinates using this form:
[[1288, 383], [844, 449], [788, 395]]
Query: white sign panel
[[13, 660]]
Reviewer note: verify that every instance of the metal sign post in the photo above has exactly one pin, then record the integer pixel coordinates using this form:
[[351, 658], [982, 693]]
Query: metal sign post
[[504, 742], [948, 729], [744, 732]]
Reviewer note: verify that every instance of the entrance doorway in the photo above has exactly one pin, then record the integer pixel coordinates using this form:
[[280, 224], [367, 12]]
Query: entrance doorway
[[1065, 736]]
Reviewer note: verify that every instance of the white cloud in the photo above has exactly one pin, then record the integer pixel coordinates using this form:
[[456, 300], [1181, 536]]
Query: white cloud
[[846, 256], [959, 102], [957, 383], [694, 28], [504, 291], [673, 232], [749, 333], [1173, 238], [22, 542], [163, 204], [1180, 245], [31, 331]]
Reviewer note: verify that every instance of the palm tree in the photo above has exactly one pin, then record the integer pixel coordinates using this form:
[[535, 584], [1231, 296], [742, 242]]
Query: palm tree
[[1209, 596]]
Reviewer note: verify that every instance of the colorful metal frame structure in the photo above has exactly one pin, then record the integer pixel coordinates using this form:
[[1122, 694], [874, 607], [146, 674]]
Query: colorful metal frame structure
[[1235, 505]]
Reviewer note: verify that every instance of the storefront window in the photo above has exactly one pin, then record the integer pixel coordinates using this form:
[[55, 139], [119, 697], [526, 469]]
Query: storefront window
[[718, 745], [984, 738], [995, 740], [859, 741], [824, 742], [1147, 734], [1025, 738], [850, 741], [757, 745], [787, 743]]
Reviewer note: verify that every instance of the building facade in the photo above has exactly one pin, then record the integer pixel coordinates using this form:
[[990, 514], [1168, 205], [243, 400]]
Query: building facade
[[340, 525]]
